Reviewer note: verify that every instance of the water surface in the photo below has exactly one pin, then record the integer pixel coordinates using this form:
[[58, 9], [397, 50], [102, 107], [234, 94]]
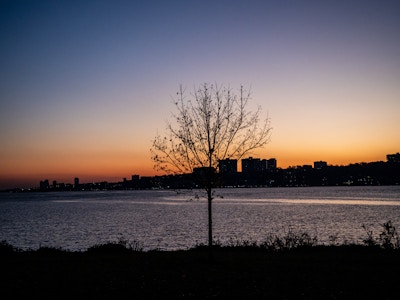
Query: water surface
[[169, 220]]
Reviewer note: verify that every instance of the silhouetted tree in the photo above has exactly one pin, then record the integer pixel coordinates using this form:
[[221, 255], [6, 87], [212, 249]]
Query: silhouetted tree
[[211, 125]]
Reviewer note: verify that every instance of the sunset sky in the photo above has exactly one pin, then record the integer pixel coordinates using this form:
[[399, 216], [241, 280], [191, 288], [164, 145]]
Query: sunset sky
[[86, 85]]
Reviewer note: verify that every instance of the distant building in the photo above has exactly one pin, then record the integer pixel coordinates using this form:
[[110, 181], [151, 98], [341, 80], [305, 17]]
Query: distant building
[[253, 171], [203, 171], [44, 184], [228, 166], [393, 158], [76, 183], [252, 165], [318, 165], [271, 164], [263, 165], [228, 172]]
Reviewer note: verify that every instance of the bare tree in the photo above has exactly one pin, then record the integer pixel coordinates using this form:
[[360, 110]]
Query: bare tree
[[211, 126]]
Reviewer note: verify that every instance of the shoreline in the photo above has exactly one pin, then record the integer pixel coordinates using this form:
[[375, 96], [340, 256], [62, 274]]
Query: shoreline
[[17, 190]]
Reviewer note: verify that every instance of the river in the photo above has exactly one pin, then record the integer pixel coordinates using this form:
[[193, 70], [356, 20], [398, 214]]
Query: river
[[172, 220]]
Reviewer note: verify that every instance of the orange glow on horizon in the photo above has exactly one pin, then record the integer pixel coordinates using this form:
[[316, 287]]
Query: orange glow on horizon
[[115, 169]]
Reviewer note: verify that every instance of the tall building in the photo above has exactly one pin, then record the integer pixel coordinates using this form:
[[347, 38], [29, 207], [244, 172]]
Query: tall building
[[271, 164], [318, 165], [228, 166], [252, 165], [393, 158], [44, 184], [76, 182], [253, 171]]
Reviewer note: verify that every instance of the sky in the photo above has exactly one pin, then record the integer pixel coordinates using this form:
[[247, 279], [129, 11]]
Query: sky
[[85, 86]]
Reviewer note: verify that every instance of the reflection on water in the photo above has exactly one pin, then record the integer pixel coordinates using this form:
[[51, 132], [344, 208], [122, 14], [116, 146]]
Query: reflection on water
[[169, 220]]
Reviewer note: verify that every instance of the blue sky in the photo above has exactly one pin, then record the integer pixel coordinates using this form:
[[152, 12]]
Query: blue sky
[[86, 85]]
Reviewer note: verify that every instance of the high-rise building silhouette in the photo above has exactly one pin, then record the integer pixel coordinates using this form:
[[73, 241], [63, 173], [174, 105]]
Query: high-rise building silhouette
[[318, 165], [393, 158], [271, 164], [253, 165], [76, 182], [228, 166], [44, 184]]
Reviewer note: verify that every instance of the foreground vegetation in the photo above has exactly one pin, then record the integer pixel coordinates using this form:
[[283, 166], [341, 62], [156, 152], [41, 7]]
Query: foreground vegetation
[[290, 267]]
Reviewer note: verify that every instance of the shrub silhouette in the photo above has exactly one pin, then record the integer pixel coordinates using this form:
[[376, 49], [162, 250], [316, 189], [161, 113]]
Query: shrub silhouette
[[122, 246], [50, 250], [6, 248], [388, 238]]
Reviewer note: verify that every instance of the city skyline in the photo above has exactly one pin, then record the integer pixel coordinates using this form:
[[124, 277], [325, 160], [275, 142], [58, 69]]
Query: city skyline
[[86, 86], [227, 166]]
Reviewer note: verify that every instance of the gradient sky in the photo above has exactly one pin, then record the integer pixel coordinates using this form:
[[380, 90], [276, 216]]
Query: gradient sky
[[86, 85]]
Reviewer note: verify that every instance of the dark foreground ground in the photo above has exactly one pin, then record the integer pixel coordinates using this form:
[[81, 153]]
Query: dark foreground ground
[[311, 273]]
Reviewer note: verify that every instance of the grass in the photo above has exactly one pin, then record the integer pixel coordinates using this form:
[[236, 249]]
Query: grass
[[321, 272], [290, 267]]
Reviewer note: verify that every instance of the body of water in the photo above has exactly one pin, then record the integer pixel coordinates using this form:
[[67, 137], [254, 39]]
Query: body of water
[[170, 220]]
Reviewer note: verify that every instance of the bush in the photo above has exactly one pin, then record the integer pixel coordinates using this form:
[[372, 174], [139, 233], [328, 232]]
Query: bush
[[50, 250], [387, 239], [291, 240], [122, 246], [6, 248]]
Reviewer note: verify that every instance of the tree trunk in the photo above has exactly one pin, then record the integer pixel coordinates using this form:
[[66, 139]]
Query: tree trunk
[[210, 238]]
